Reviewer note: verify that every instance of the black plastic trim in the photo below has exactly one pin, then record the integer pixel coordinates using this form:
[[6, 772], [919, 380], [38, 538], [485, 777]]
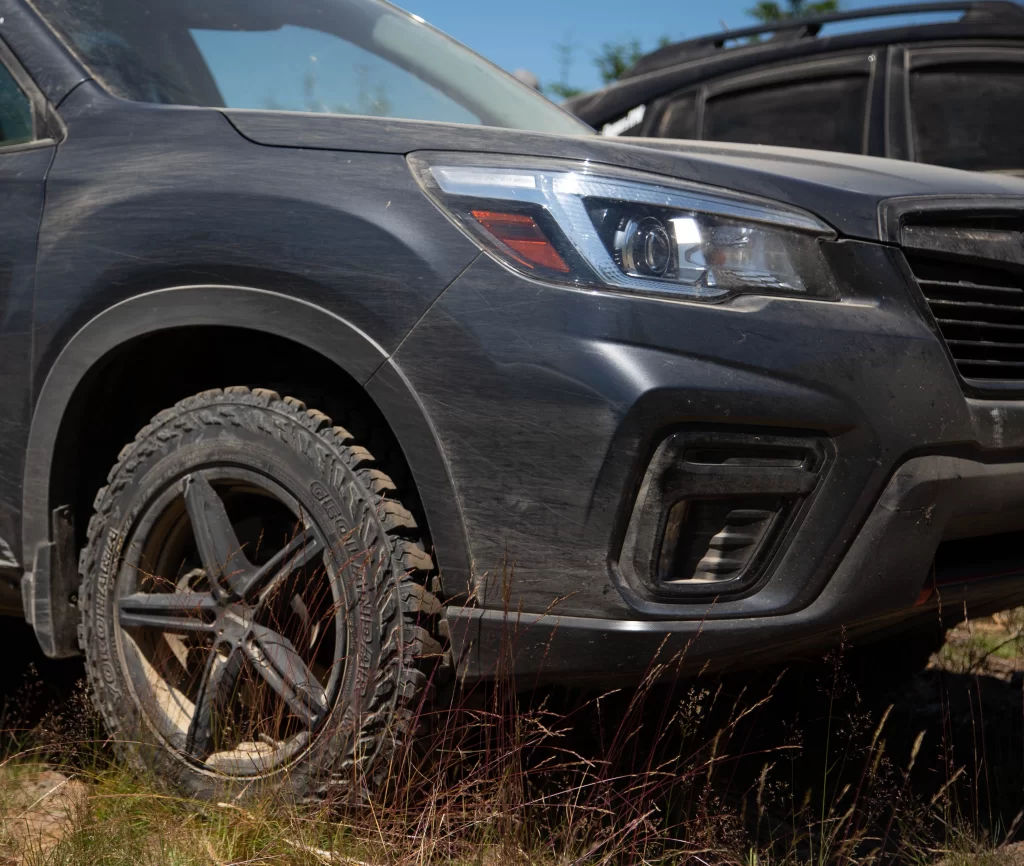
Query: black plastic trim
[[893, 215], [875, 589], [893, 212], [49, 591], [809, 26], [53, 67], [258, 310], [47, 127], [673, 476]]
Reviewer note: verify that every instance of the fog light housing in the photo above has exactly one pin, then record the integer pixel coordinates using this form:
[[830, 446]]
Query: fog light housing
[[715, 510]]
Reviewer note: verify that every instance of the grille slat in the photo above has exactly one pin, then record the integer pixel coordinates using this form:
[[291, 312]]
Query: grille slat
[[967, 322], [994, 363], [953, 290], [986, 312], [713, 540], [978, 306], [985, 344], [983, 350]]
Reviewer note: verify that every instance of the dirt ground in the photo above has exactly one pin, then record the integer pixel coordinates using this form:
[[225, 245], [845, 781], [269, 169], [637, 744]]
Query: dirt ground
[[961, 719], [40, 807]]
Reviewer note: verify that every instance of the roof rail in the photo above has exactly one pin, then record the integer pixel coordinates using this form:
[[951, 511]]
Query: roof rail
[[975, 11]]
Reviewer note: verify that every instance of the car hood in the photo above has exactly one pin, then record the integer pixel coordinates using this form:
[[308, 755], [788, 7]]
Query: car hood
[[844, 190]]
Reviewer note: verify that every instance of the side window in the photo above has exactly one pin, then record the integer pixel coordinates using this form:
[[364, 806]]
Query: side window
[[824, 113], [679, 119], [15, 111], [340, 77], [967, 115]]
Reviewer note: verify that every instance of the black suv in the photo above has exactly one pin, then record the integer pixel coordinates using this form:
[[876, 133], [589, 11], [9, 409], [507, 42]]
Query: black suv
[[335, 363], [945, 93]]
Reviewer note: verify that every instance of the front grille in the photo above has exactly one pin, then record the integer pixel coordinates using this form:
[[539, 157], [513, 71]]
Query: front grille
[[980, 314], [974, 286]]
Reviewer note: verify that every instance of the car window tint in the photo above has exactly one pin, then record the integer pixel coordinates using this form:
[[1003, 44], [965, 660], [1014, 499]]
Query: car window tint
[[335, 56], [823, 113], [680, 118], [15, 111], [969, 115], [298, 69]]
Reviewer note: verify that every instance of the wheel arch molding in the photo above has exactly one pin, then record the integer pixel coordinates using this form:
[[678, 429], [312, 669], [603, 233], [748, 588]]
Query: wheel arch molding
[[260, 315]]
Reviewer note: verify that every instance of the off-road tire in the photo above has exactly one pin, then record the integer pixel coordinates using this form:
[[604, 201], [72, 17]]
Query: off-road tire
[[397, 649]]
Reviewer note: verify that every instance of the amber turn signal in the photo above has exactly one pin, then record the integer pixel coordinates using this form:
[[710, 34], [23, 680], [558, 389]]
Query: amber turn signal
[[521, 234]]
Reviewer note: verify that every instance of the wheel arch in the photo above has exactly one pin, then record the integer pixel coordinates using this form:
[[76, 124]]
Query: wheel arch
[[265, 317]]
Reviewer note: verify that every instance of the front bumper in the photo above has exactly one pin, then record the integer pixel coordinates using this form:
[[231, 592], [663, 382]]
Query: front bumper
[[885, 582], [549, 404]]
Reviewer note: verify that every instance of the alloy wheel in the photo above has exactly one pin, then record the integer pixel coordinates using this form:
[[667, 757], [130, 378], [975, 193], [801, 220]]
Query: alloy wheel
[[231, 624]]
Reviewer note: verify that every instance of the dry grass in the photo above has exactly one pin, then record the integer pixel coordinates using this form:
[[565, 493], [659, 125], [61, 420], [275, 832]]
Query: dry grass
[[993, 646], [798, 767]]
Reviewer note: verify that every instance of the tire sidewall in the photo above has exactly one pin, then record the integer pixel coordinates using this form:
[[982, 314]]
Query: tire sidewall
[[319, 473]]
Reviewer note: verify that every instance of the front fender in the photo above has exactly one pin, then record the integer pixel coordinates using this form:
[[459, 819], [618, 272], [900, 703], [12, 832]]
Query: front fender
[[258, 310]]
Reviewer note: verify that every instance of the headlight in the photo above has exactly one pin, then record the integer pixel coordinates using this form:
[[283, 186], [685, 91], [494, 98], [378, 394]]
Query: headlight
[[588, 225]]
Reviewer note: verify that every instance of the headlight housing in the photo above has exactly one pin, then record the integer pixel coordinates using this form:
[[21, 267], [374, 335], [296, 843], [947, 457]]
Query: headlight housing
[[595, 226]]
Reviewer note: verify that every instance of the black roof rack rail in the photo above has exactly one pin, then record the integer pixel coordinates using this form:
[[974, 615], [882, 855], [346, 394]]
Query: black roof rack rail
[[975, 11]]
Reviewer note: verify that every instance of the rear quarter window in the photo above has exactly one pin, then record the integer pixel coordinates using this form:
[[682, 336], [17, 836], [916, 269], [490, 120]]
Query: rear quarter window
[[823, 113], [680, 117], [15, 111]]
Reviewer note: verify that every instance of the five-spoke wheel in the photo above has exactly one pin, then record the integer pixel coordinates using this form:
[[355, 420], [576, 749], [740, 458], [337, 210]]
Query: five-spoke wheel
[[254, 608], [225, 636]]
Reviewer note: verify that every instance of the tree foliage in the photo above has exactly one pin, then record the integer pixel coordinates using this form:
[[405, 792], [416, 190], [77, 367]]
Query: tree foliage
[[768, 11], [566, 51], [616, 57], [561, 90], [611, 61]]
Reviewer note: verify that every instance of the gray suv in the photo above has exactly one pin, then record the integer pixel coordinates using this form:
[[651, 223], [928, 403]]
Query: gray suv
[[336, 365]]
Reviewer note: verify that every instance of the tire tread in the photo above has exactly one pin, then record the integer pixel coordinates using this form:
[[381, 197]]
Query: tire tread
[[412, 646]]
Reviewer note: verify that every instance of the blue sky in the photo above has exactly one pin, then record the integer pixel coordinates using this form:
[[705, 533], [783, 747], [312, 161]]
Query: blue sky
[[524, 33], [296, 67]]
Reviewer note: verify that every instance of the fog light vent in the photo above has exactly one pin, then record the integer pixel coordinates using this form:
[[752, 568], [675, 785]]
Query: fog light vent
[[714, 540], [715, 511]]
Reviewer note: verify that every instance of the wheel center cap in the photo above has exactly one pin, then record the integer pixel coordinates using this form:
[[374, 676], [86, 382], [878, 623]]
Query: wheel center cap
[[233, 623]]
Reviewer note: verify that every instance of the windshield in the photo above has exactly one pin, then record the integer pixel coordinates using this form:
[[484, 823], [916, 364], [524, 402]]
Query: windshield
[[335, 56]]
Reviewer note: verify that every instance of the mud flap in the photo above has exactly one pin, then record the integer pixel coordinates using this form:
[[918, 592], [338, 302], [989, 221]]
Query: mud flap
[[49, 592]]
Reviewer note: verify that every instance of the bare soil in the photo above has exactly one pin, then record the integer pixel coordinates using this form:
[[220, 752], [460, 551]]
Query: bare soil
[[40, 808], [953, 735]]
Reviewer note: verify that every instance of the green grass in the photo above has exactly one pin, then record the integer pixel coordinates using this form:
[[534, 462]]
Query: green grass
[[971, 646], [786, 772], [125, 821]]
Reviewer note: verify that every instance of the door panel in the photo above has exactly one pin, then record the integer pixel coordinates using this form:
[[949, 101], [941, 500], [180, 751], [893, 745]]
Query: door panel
[[24, 160], [21, 201]]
